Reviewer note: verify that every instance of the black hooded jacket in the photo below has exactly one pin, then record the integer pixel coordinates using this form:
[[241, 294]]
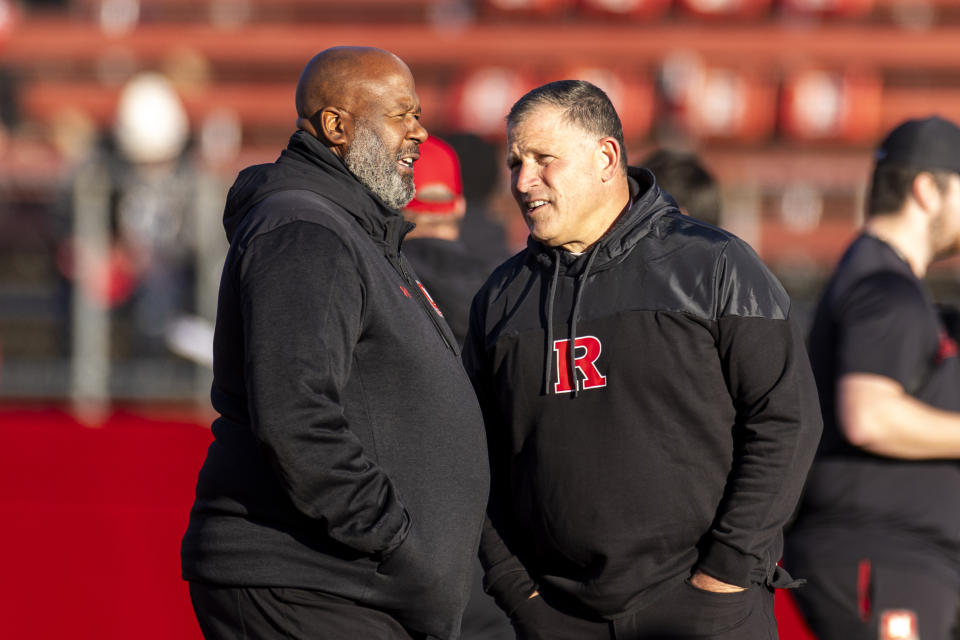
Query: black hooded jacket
[[684, 443], [349, 452]]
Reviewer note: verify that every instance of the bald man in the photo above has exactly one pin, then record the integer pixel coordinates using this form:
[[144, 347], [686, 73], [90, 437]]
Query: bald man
[[343, 494]]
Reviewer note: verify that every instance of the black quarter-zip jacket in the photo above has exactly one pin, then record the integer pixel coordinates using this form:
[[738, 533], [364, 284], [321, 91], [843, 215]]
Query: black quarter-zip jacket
[[684, 443], [349, 456]]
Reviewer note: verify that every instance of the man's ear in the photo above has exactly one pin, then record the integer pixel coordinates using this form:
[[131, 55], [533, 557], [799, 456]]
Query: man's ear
[[334, 126], [926, 192], [460, 208], [608, 158]]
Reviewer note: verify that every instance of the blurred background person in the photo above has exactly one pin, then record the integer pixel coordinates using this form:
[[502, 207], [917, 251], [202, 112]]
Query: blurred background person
[[878, 530], [483, 227], [137, 250], [449, 270], [140, 185], [152, 199], [682, 175], [451, 275]]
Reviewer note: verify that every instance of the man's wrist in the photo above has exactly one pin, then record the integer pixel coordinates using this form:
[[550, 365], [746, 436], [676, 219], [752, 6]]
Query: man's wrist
[[706, 582]]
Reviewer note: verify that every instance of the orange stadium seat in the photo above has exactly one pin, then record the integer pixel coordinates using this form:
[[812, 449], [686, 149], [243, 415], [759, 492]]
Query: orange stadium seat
[[831, 105], [725, 8], [833, 8], [516, 8], [630, 91], [9, 15], [637, 9], [481, 98], [719, 103]]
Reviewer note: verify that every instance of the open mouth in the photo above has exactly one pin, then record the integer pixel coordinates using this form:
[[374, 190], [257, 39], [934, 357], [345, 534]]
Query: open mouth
[[533, 205], [406, 159]]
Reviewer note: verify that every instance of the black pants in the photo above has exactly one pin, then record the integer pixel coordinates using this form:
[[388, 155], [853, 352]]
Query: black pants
[[239, 613], [483, 619], [846, 601], [683, 612]]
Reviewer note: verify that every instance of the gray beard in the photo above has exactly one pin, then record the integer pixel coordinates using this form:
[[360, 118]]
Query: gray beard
[[368, 159]]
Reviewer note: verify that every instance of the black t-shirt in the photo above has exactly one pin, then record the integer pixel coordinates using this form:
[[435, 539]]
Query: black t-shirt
[[876, 317]]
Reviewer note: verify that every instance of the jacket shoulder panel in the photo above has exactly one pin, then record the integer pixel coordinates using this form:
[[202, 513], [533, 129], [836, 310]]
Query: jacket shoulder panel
[[746, 286], [286, 207], [709, 272]]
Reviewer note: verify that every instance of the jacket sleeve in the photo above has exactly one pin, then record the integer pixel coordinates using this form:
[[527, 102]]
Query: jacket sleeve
[[302, 302], [778, 421], [506, 578]]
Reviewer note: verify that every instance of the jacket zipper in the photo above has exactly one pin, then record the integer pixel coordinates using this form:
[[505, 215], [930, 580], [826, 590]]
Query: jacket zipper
[[424, 303]]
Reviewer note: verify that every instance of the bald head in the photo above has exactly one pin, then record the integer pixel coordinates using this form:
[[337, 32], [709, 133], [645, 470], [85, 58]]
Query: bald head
[[345, 78], [361, 103]]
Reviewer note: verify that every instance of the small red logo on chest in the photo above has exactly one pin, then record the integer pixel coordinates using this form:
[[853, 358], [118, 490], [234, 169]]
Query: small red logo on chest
[[430, 298], [947, 347]]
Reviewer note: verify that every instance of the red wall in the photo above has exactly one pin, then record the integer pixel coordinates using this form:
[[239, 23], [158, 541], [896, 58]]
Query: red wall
[[92, 519]]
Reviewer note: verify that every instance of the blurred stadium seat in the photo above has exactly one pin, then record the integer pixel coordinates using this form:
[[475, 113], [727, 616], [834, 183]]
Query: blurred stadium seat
[[718, 103], [830, 8], [727, 9], [831, 105], [481, 97], [646, 10], [630, 91], [528, 8]]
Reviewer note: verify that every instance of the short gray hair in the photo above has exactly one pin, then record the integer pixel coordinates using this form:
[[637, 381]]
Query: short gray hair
[[584, 105]]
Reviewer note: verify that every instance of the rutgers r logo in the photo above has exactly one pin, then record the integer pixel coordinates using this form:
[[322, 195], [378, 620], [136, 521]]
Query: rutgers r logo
[[429, 298], [586, 351]]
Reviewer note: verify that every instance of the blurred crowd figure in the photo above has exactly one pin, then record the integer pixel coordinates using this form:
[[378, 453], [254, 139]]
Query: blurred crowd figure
[[482, 230], [140, 188], [151, 201], [683, 175], [451, 274], [877, 535]]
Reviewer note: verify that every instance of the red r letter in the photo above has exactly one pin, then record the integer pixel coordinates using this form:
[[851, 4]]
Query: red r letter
[[586, 351]]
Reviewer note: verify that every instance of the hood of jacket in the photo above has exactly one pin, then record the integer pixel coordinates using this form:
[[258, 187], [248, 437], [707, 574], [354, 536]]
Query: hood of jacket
[[308, 164]]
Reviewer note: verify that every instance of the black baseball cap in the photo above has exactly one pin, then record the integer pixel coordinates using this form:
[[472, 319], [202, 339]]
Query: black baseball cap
[[928, 143]]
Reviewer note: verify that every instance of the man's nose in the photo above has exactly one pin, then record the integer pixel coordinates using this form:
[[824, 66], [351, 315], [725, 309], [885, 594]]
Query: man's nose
[[526, 177], [418, 132]]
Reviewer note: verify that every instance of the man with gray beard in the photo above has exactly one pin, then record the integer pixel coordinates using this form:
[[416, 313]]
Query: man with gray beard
[[371, 162], [344, 491]]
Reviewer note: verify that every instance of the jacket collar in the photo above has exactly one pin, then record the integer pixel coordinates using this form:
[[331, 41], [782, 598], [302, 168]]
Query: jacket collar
[[334, 180], [308, 164]]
